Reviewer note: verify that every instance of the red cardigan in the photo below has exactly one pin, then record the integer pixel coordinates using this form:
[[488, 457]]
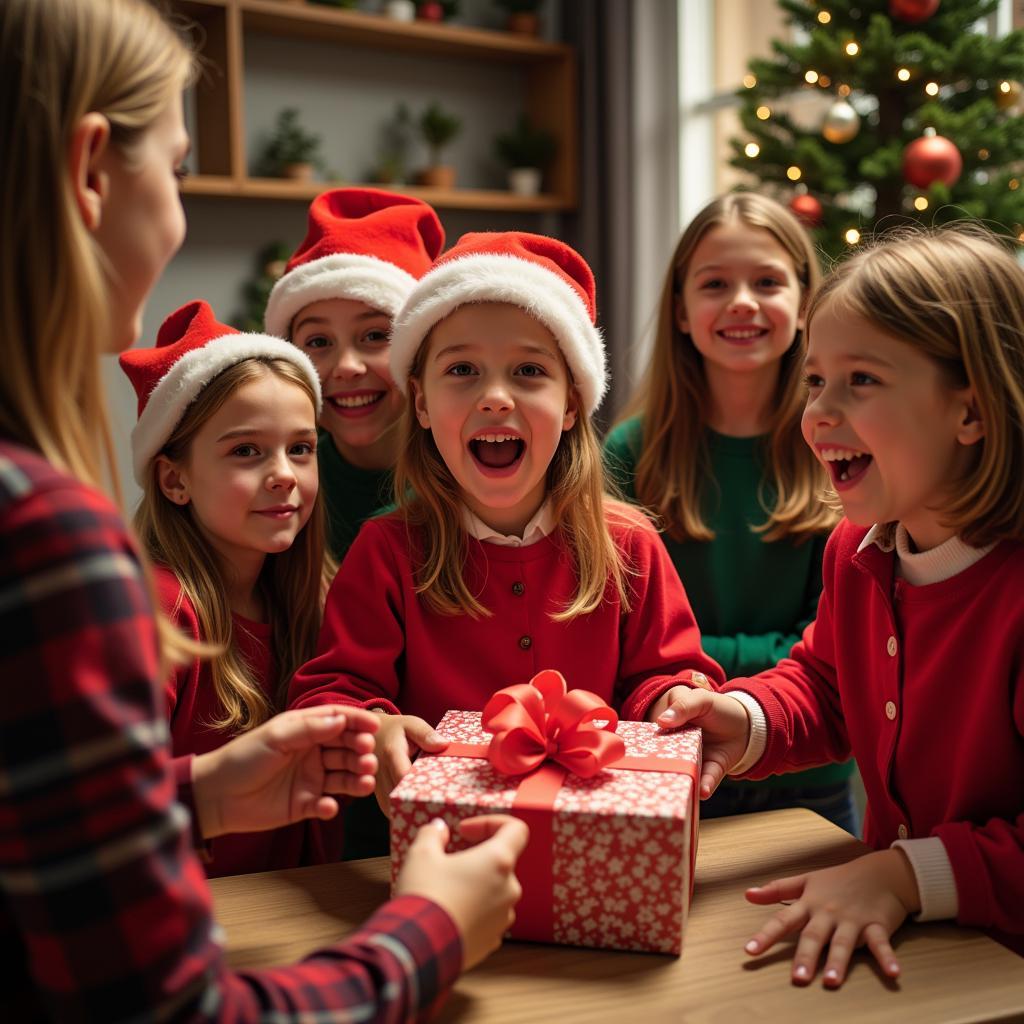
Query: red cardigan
[[192, 704], [926, 686], [381, 646]]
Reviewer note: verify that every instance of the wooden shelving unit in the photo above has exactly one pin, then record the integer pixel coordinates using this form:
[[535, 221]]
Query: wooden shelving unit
[[550, 94]]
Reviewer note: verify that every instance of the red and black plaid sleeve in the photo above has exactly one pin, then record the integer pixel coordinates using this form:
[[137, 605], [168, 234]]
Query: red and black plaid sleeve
[[105, 912]]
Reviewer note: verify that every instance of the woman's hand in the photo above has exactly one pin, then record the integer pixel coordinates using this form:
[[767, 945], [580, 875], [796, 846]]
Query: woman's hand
[[398, 739], [478, 887], [841, 908], [290, 768]]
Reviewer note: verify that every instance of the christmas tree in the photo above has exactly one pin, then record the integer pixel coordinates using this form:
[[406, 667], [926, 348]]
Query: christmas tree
[[919, 116]]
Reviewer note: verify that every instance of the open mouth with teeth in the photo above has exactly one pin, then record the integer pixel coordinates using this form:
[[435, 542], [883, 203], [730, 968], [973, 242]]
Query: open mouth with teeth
[[497, 451], [846, 465], [355, 404], [742, 335]]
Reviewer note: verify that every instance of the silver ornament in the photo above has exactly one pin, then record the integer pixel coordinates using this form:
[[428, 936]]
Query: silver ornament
[[841, 123]]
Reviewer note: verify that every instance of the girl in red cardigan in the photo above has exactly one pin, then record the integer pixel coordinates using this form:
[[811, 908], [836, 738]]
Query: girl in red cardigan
[[915, 662], [225, 454], [504, 557]]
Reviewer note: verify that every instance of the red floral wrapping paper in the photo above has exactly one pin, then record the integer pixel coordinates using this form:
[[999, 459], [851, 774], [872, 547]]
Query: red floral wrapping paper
[[616, 867]]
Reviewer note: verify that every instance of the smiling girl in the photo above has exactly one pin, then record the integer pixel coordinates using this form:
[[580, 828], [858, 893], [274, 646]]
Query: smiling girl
[[712, 448], [505, 557], [225, 452]]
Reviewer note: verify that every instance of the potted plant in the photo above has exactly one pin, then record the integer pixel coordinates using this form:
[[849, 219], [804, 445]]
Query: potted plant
[[395, 140], [291, 151], [438, 128], [527, 151], [522, 16]]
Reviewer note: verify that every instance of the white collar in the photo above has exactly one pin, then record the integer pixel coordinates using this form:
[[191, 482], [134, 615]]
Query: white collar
[[542, 523], [919, 568]]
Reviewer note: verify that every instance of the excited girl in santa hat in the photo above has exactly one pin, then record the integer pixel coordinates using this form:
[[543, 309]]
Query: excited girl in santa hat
[[505, 556]]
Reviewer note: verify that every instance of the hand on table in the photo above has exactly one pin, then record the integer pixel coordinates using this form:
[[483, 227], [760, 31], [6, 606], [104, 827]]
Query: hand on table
[[859, 903], [290, 768], [398, 738], [723, 719], [477, 887]]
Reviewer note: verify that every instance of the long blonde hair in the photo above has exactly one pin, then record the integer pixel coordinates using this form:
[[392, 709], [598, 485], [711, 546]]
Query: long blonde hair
[[428, 497], [957, 295], [674, 462], [293, 583], [59, 60]]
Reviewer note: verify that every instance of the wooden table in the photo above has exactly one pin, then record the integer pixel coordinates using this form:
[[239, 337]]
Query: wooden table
[[949, 974]]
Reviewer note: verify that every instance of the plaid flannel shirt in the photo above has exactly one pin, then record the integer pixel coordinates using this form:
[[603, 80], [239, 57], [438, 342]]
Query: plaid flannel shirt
[[106, 914]]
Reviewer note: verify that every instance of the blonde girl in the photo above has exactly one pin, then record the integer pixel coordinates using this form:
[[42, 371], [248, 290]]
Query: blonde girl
[[95, 815], [915, 662], [711, 447], [505, 557]]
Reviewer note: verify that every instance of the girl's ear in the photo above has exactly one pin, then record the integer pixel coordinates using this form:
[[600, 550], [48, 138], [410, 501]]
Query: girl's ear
[[972, 428], [419, 403], [572, 410], [91, 184], [679, 309], [172, 481]]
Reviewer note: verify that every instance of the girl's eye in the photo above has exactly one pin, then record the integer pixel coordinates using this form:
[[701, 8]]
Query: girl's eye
[[769, 282], [303, 448], [245, 451], [531, 370], [316, 341], [460, 370], [812, 381], [376, 337], [713, 283], [858, 377]]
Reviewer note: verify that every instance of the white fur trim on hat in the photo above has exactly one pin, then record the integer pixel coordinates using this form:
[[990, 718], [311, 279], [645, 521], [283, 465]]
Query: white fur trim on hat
[[183, 382], [376, 282], [488, 277]]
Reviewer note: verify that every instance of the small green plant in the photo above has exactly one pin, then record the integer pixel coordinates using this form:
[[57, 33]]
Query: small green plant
[[289, 144], [395, 141], [438, 128], [525, 146]]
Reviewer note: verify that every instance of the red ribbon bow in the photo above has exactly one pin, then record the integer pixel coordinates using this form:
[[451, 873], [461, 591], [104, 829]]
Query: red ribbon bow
[[543, 720]]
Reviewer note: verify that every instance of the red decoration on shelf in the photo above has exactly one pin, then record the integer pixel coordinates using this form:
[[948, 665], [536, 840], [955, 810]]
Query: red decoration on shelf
[[912, 11], [929, 159], [807, 209], [431, 10]]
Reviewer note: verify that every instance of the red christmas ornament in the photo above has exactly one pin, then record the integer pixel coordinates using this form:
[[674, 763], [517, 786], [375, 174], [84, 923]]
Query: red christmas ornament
[[929, 159], [807, 209], [913, 12], [431, 10]]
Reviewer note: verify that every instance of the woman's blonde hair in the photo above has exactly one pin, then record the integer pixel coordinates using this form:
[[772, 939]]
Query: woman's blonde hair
[[956, 294], [293, 583], [428, 497], [674, 465], [59, 60]]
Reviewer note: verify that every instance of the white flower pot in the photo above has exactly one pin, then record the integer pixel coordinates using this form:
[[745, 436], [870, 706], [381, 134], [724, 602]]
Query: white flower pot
[[400, 10], [524, 181]]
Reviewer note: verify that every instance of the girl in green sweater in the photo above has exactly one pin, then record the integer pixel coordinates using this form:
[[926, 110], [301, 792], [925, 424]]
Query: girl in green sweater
[[711, 446]]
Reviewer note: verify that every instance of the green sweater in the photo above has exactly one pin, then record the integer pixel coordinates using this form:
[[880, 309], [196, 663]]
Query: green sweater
[[751, 599], [352, 495]]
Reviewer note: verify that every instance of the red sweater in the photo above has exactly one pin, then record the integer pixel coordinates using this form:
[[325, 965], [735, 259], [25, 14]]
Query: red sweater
[[192, 704], [381, 646], [926, 686]]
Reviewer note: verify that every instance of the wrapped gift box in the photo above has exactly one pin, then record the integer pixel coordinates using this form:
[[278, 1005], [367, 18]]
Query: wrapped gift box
[[610, 858]]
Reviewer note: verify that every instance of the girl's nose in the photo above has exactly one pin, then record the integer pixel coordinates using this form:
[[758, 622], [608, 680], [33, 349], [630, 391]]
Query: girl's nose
[[822, 409], [495, 397], [742, 299], [281, 474], [349, 365]]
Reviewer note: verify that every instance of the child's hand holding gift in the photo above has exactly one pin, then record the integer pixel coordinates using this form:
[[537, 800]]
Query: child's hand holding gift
[[398, 738]]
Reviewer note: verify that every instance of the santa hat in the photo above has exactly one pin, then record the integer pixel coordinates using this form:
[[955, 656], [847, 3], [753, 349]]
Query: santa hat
[[191, 349], [541, 275], [361, 244]]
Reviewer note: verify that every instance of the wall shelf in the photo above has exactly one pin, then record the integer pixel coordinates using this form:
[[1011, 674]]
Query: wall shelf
[[549, 99]]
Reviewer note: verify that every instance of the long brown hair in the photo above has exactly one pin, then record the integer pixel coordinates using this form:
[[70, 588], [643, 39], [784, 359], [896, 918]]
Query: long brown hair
[[674, 462], [293, 582], [428, 497], [61, 59], [957, 295]]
